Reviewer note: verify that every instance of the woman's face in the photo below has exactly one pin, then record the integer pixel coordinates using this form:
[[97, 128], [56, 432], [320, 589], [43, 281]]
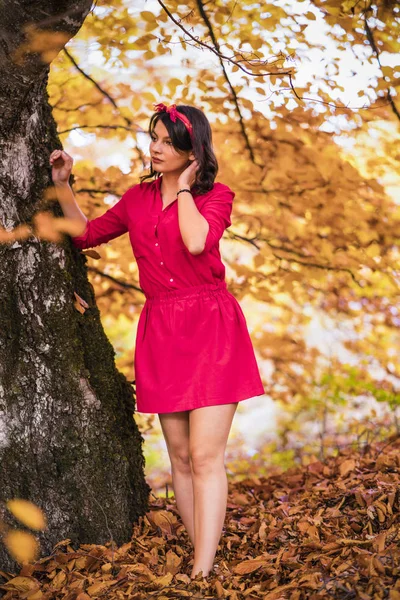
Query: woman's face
[[161, 147]]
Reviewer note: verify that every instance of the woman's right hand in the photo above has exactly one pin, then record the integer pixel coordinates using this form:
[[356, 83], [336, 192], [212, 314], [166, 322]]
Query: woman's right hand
[[61, 163]]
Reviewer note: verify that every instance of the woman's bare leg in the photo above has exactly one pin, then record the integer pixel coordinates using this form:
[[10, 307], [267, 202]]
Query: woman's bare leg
[[209, 431], [175, 427]]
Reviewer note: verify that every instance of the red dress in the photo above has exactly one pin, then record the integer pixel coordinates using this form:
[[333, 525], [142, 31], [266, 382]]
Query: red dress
[[193, 347]]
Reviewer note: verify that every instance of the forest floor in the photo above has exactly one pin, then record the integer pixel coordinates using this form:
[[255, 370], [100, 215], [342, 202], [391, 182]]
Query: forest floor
[[327, 530]]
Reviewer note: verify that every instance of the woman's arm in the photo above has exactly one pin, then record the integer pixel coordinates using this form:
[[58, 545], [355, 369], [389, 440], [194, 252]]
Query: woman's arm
[[106, 227], [69, 204], [202, 228], [96, 231], [217, 212], [61, 164]]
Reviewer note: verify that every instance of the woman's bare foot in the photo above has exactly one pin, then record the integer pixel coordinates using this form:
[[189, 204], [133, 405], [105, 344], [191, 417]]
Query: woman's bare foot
[[195, 573]]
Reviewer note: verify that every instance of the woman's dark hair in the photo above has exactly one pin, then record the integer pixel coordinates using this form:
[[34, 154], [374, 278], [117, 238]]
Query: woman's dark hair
[[202, 144]]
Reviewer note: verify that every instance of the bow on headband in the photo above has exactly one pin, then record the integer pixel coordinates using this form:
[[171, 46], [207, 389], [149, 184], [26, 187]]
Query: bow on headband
[[174, 114]]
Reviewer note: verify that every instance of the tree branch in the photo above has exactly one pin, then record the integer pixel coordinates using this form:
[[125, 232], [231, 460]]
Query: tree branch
[[96, 85], [274, 71], [232, 90], [371, 40], [123, 284], [96, 126], [110, 99]]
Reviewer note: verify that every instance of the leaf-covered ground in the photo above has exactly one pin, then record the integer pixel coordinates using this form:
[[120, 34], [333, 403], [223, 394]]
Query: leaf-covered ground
[[328, 530]]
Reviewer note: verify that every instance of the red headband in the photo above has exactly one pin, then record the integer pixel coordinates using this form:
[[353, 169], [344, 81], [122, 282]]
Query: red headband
[[174, 114]]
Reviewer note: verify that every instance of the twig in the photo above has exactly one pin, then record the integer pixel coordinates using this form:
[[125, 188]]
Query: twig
[[123, 284], [371, 40], [257, 63], [101, 90], [105, 518], [95, 127], [232, 89]]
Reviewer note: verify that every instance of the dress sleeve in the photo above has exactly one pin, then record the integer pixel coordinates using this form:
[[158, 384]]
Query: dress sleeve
[[109, 225], [217, 211]]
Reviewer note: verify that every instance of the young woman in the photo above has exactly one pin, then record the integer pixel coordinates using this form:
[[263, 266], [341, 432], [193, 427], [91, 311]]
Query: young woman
[[194, 359]]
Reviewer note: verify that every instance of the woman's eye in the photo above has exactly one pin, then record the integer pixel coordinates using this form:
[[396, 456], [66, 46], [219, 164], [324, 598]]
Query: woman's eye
[[153, 139]]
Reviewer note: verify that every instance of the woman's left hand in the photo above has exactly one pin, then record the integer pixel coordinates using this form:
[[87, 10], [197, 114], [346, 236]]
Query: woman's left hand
[[188, 176]]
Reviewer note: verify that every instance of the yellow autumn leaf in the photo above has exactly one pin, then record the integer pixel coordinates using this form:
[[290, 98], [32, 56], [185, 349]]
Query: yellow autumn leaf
[[258, 260], [173, 84], [333, 10], [373, 250], [158, 87], [310, 16], [366, 236], [28, 513], [148, 16], [142, 42], [136, 103], [21, 545]]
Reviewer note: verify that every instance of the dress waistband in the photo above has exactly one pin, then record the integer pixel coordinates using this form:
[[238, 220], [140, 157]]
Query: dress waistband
[[194, 290]]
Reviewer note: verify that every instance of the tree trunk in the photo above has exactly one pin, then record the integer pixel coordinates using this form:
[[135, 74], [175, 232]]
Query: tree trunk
[[68, 440]]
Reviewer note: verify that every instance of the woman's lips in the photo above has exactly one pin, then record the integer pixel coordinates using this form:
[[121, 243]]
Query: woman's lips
[[156, 159]]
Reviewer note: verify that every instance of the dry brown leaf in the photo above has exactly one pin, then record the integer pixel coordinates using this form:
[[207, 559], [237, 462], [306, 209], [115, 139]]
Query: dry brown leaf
[[248, 566], [347, 467], [22, 584], [92, 253], [80, 304], [296, 529]]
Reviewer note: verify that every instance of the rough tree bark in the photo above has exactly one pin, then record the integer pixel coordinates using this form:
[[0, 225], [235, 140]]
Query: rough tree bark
[[68, 440]]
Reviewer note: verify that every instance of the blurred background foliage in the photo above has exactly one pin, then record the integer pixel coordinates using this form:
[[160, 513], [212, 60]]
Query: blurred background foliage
[[303, 101]]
